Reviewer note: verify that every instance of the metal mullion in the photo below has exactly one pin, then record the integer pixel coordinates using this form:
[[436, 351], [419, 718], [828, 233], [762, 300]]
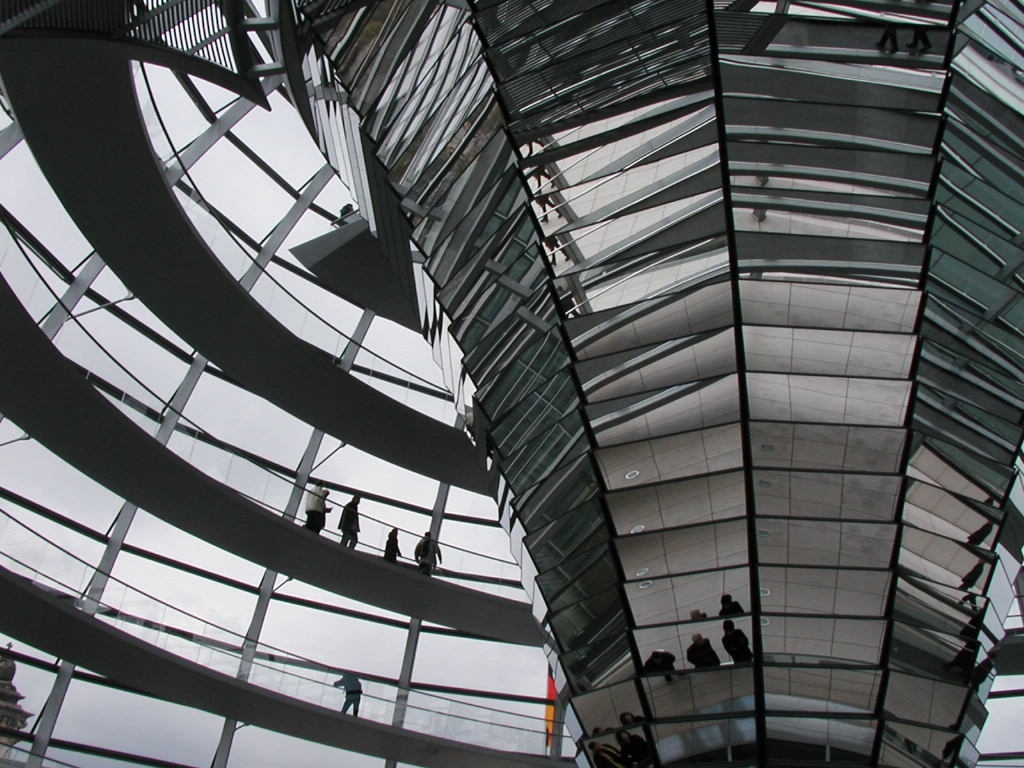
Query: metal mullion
[[566, 343], [886, 651]]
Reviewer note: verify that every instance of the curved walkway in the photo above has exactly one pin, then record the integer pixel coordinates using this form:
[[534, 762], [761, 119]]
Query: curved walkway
[[47, 396], [103, 170], [52, 625]]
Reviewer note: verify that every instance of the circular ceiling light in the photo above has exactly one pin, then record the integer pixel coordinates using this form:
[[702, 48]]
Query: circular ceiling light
[[643, 571], [764, 591], [637, 528], [633, 474], [765, 622], [765, 483], [767, 448], [762, 532], [646, 584]]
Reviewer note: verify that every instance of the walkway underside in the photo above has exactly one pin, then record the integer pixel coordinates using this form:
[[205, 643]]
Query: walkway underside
[[52, 625]]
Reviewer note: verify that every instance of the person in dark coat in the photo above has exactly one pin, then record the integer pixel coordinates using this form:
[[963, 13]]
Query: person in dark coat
[[635, 750], [391, 553], [660, 661], [353, 692], [729, 606], [736, 643], [427, 553], [701, 654], [349, 523]]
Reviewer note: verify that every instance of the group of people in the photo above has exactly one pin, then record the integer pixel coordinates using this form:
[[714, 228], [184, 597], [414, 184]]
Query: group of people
[[427, 552], [630, 750], [700, 652], [919, 41], [317, 511]]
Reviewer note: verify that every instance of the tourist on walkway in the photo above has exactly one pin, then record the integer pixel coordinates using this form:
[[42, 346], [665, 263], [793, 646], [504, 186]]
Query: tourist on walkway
[[353, 692], [316, 508], [701, 654], [349, 523], [428, 554], [391, 553], [729, 606], [736, 643]]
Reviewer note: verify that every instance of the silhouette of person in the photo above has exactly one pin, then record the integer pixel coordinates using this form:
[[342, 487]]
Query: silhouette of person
[[660, 661], [888, 36], [701, 654], [729, 606], [391, 553], [736, 643], [316, 508], [633, 748], [628, 718], [349, 523], [427, 553], [353, 692], [920, 38], [696, 615]]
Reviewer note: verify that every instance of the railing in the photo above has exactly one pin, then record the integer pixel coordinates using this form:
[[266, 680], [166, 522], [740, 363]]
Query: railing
[[196, 639]]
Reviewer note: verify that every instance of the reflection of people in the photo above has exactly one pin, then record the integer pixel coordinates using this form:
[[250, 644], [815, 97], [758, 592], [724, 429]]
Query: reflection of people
[[428, 554], [606, 756], [635, 750], [736, 643], [701, 654], [349, 523], [353, 692], [660, 661], [696, 615], [391, 553], [316, 508], [888, 36], [920, 38], [729, 606]]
